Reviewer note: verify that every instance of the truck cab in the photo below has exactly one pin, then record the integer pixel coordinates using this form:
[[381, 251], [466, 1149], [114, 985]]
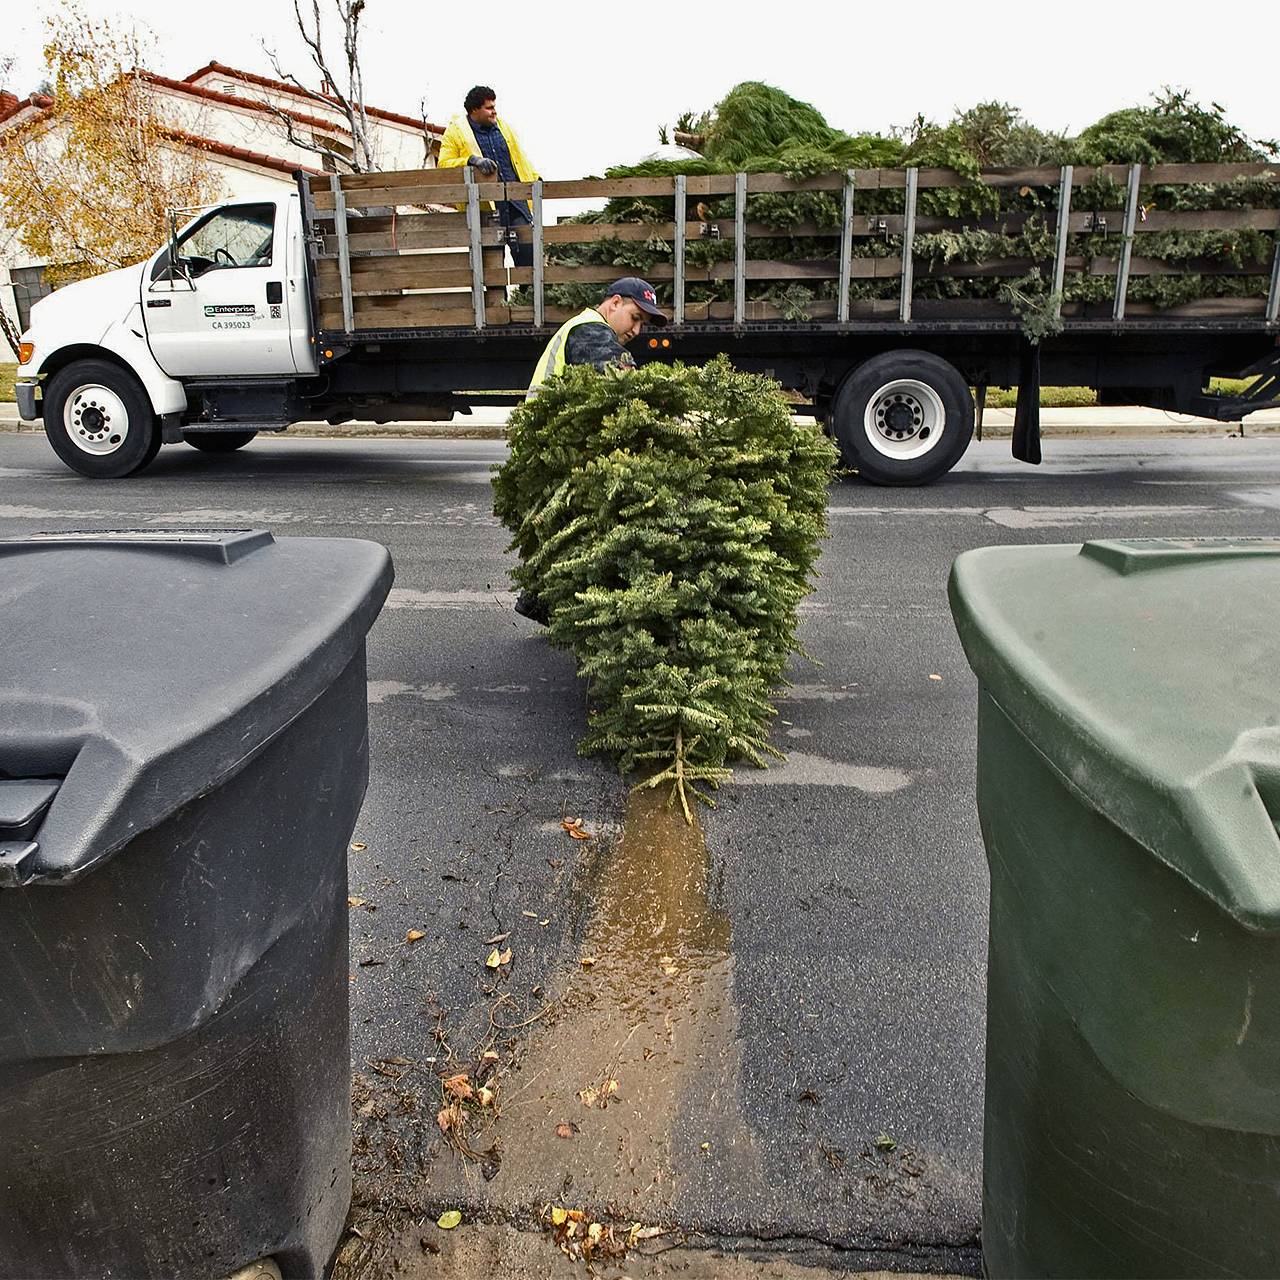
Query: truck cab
[[168, 349]]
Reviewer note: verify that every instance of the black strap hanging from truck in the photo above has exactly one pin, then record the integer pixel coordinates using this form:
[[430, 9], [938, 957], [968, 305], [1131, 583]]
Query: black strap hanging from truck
[[1026, 416]]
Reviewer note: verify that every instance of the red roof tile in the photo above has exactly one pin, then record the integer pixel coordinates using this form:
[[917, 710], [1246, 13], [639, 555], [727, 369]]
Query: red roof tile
[[258, 158], [251, 104], [220, 68], [11, 104]]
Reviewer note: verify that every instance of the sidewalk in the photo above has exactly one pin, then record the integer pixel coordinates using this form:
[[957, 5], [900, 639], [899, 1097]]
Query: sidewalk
[[490, 424]]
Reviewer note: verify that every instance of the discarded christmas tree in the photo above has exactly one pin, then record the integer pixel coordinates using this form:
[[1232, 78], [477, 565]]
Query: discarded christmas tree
[[669, 519]]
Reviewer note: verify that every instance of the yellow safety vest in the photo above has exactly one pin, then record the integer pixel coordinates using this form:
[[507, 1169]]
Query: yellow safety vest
[[552, 361]]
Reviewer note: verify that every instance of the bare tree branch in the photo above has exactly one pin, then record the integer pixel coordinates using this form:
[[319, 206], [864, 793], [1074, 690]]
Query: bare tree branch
[[307, 143], [349, 98]]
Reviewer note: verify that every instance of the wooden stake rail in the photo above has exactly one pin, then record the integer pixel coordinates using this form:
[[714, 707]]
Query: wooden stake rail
[[422, 248]]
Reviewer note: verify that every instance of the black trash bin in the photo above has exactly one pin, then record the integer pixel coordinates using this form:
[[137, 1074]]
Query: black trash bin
[[183, 755]]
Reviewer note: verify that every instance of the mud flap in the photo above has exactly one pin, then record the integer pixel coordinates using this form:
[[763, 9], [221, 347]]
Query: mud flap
[[1026, 416]]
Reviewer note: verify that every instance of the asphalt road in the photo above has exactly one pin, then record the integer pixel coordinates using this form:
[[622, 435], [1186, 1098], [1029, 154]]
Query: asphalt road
[[844, 898]]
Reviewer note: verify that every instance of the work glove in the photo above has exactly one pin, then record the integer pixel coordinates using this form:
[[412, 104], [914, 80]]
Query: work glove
[[483, 165]]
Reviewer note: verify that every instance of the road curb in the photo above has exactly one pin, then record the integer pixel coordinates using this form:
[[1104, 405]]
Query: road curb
[[1132, 422]]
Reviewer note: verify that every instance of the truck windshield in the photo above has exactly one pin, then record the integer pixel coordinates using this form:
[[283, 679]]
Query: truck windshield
[[239, 236]]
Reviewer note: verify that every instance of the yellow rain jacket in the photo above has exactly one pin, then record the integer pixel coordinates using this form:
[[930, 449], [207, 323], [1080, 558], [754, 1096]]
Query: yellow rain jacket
[[552, 361], [459, 144]]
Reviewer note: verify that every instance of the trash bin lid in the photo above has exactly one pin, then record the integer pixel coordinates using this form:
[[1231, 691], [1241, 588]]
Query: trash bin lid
[[140, 668], [1147, 673]]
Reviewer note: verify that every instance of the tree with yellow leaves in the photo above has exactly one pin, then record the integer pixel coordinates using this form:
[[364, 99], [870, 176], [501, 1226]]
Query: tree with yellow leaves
[[86, 186]]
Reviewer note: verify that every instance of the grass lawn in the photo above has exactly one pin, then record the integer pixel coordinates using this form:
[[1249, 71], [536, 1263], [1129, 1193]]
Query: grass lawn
[[1079, 397], [7, 371]]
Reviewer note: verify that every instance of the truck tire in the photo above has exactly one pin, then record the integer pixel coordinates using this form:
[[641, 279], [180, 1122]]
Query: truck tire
[[218, 441], [99, 420], [903, 418]]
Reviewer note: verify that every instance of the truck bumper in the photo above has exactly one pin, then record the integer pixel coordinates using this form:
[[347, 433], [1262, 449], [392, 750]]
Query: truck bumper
[[25, 394]]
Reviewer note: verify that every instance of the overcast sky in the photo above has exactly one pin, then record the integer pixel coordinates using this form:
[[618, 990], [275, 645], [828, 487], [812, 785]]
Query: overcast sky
[[588, 84]]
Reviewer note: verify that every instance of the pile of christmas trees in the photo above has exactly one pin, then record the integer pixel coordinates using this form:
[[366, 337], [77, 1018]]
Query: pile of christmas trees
[[668, 520], [757, 128]]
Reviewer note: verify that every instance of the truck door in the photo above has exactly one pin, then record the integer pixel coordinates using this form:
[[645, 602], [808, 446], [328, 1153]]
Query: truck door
[[217, 304]]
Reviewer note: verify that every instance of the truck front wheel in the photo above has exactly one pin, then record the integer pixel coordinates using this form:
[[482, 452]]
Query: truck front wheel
[[903, 418], [99, 420]]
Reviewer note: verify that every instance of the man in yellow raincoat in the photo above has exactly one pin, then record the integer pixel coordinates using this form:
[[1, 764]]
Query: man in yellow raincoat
[[481, 139]]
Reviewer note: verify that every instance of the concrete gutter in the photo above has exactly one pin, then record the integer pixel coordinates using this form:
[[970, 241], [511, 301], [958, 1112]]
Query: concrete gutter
[[491, 423]]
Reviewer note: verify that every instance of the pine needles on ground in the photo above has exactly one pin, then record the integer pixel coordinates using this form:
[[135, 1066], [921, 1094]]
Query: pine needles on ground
[[668, 519]]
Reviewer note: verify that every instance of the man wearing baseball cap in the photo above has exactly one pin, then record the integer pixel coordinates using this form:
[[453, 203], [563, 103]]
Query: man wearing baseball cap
[[598, 336]]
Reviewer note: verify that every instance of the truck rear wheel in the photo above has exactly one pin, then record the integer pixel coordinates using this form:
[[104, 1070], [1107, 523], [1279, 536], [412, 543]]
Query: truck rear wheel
[[903, 418], [218, 441], [99, 420]]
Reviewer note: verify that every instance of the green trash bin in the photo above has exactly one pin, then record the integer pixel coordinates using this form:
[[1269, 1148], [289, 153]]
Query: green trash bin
[[1129, 790]]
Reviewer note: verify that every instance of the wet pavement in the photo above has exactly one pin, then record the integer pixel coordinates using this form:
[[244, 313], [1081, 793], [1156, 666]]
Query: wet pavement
[[792, 1010]]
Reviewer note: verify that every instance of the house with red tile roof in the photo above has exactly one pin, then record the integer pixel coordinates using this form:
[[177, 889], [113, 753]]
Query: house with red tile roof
[[255, 133]]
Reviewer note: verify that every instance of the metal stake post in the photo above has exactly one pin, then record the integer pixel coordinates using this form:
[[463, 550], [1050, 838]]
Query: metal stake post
[[537, 254], [1064, 233], [477, 258], [1273, 294], [739, 247], [344, 252], [846, 246], [677, 285], [908, 240], [1126, 249]]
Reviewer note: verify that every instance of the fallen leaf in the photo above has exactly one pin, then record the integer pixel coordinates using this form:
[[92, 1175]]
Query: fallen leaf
[[355, 902], [544, 923], [566, 1130], [489, 1055], [647, 1233], [559, 1216], [579, 834], [609, 1088], [529, 915], [669, 966], [484, 1096], [576, 1215], [706, 1146], [444, 1118], [448, 1220], [587, 961], [568, 824], [459, 1086], [933, 675], [358, 846], [588, 1097], [505, 957], [501, 937], [493, 959], [413, 935], [883, 1142], [594, 1232]]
